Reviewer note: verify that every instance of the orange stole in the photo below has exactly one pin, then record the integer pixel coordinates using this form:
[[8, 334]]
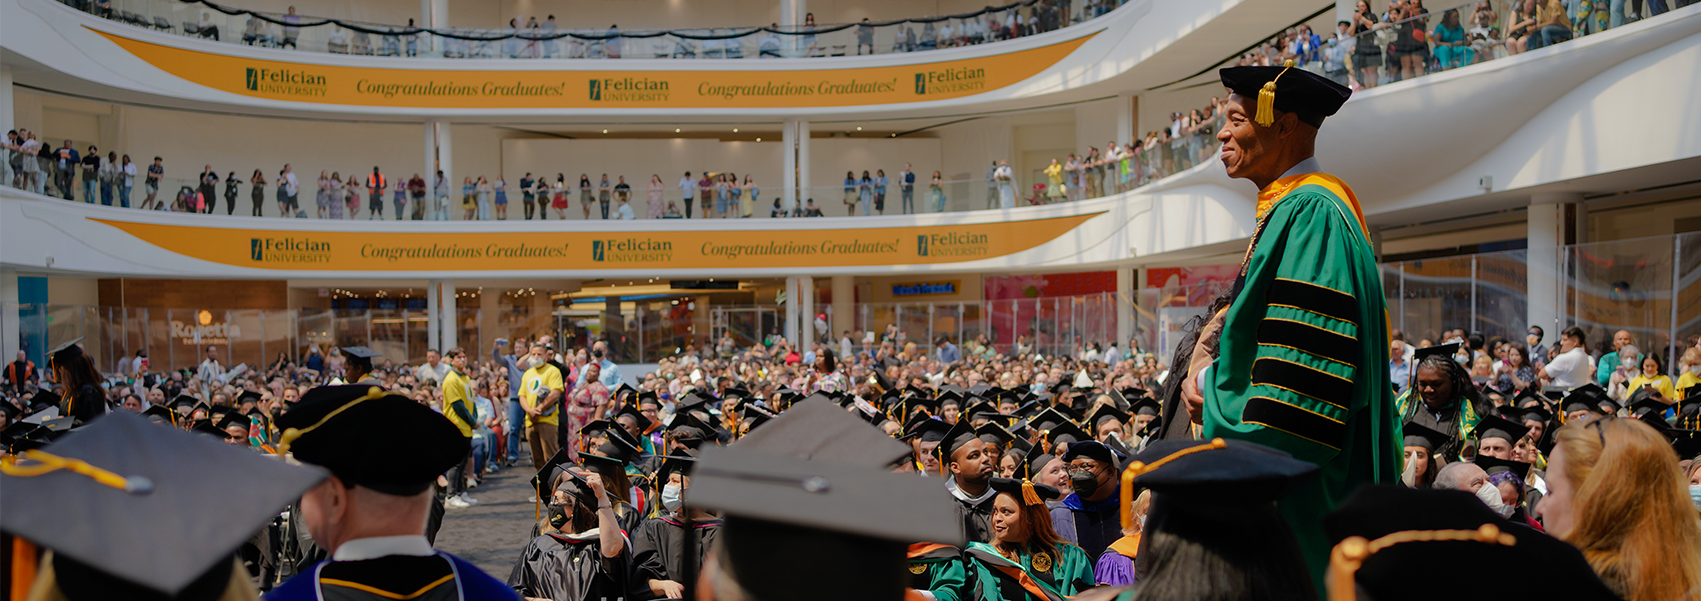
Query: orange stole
[[918, 549], [1128, 546], [1023, 579], [1274, 192]]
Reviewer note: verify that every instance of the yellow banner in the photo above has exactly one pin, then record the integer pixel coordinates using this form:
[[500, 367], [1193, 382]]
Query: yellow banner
[[531, 251], [586, 89]]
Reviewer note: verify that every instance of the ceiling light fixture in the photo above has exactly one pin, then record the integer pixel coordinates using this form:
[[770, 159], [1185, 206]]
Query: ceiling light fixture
[[605, 131], [758, 139], [859, 128], [676, 130], [735, 130]]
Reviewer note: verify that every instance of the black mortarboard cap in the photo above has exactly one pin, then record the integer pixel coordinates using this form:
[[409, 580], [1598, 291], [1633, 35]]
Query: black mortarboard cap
[[1234, 473], [622, 391], [1419, 435], [1106, 412], [207, 427], [43, 399], [684, 464], [689, 430], [22, 436], [234, 419], [1022, 488], [610, 457], [1494, 465], [927, 428], [1535, 413], [1494, 426], [1036, 460], [1652, 403], [1687, 443], [755, 416], [1146, 406], [1066, 433], [1049, 419], [403, 457], [1440, 350], [1090, 449], [66, 351], [544, 480], [1547, 568], [359, 354], [184, 401], [12, 411], [979, 388], [812, 430], [993, 434], [576, 487], [1287, 89], [1529, 398], [248, 396], [645, 425], [959, 435], [854, 521], [202, 500]]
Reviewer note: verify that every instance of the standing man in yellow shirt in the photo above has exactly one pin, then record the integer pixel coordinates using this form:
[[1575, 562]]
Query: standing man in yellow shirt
[[458, 407], [540, 396]]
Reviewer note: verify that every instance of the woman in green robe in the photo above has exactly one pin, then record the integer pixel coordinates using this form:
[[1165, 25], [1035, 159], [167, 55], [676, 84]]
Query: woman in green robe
[[1026, 560]]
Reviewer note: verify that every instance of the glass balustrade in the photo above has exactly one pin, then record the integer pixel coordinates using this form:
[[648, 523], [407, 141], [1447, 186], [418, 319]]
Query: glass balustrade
[[546, 40]]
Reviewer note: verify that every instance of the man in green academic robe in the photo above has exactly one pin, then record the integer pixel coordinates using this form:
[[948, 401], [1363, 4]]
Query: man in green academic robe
[[1297, 360]]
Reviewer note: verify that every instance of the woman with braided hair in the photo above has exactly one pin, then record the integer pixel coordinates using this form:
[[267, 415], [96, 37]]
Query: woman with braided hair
[[1450, 403]]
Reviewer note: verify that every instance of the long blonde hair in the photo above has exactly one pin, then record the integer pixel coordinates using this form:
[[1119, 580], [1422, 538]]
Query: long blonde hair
[[1633, 521]]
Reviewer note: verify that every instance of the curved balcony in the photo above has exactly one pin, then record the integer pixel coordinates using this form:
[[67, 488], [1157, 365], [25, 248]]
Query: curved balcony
[[544, 40]]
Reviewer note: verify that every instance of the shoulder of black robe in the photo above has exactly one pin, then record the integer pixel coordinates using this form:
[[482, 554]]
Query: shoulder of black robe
[[554, 567], [658, 549]]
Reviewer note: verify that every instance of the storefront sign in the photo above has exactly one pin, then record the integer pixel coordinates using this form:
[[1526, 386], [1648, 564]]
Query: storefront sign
[[204, 330], [587, 89], [926, 288], [537, 251]]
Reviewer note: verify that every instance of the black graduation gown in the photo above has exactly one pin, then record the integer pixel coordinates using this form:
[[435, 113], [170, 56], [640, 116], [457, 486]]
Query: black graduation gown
[[975, 518], [566, 567], [88, 403], [658, 549]]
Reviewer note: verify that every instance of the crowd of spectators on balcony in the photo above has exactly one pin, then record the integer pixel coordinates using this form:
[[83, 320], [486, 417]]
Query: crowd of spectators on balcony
[[532, 37]]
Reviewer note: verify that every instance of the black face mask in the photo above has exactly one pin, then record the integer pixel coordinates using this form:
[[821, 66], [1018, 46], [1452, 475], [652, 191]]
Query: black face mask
[[1083, 482], [558, 515]]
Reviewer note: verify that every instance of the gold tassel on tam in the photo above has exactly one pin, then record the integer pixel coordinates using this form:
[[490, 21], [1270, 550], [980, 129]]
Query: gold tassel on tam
[[1029, 496], [1267, 98]]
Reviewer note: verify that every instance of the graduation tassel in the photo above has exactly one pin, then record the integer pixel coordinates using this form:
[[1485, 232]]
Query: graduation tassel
[[23, 567], [1267, 98], [1029, 496]]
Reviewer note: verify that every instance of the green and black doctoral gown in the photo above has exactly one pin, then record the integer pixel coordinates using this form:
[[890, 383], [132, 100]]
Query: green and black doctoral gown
[[1051, 574], [1302, 363], [940, 570]]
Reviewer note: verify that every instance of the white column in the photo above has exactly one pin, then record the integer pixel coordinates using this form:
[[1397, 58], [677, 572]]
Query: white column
[[439, 17], [792, 308], [803, 162], [432, 328], [429, 172], [1124, 121], [791, 16], [806, 306], [446, 162], [1125, 299], [1542, 266], [844, 305], [9, 315], [788, 139], [6, 112], [449, 321]]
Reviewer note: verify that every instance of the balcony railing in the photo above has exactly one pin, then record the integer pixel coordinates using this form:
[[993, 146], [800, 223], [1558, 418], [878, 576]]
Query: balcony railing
[[548, 40]]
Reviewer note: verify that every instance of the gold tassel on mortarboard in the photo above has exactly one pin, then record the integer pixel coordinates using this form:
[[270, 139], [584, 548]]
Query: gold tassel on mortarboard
[[1267, 98], [1029, 496]]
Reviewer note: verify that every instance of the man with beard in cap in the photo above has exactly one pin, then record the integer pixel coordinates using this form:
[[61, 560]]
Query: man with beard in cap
[[1297, 360], [964, 457], [371, 513]]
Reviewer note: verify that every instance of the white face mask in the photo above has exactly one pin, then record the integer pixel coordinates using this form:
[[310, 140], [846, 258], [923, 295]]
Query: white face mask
[[672, 497], [1490, 495]]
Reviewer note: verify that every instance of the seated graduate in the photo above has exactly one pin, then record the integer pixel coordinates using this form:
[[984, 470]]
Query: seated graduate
[[1212, 530], [1026, 559], [658, 546], [610, 458], [116, 523], [1398, 544], [371, 514], [584, 557]]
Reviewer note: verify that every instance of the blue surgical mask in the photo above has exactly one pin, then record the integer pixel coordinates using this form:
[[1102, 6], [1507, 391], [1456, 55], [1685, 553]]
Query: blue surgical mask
[[1695, 495], [672, 497]]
